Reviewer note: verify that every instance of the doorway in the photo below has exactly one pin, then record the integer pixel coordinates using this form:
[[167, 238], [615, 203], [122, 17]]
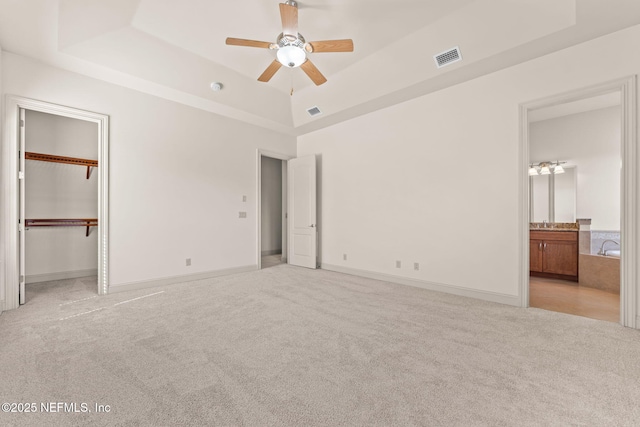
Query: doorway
[[559, 279], [17, 204], [58, 207], [272, 201], [273, 212]]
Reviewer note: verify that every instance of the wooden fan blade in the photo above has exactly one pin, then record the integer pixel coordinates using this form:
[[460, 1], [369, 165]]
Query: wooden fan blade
[[345, 45], [289, 16], [313, 73], [248, 43], [270, 71]]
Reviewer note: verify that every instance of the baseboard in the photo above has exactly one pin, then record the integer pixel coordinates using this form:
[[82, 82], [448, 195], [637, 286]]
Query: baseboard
[[179, 279], [62, 275], [271, 252], [449, 289]]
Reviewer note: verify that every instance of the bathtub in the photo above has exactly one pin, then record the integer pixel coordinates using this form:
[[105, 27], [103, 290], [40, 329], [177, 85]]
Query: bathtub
[[599, 271]]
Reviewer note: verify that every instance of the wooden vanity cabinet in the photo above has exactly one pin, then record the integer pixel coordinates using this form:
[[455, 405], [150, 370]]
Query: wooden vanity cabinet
[[554, 254]]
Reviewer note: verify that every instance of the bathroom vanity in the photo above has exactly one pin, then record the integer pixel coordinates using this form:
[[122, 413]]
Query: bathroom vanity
[[553, 253]]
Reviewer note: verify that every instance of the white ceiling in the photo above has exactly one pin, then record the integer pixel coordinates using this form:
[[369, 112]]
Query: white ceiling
[[599, 102], [176, 49]]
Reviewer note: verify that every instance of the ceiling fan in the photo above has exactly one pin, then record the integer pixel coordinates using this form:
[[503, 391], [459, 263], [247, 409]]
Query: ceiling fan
[[292, 49]]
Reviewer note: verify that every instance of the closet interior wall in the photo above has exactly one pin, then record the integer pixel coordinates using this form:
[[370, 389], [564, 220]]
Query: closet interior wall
[[57, 190]]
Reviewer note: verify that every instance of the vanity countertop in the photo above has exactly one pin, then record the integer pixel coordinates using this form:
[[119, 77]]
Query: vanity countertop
[[552, 229], [554, 226]]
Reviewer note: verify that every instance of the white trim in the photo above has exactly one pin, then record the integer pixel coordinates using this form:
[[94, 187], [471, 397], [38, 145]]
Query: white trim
[[629, 191], [432, 286], [62, 275], [144, 284], [9, 197], [629, 209], [2, 281], [524, 197], [259, 154]]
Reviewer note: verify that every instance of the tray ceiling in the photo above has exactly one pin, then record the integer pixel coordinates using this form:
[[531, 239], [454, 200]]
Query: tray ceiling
[[176, 49]]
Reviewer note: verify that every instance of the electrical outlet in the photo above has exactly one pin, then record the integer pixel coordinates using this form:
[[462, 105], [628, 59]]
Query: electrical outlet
[[398, 264], [416, 266], [242, 215], [188, 262], [244, 198], [344, 257]]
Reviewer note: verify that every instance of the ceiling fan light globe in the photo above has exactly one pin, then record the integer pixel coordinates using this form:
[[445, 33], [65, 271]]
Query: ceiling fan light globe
[[291, 56]]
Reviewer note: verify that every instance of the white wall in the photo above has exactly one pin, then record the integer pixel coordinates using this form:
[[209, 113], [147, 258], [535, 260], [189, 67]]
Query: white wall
[[55, 190], [271, 206], [177, 174], [591, 141], [435, 180]]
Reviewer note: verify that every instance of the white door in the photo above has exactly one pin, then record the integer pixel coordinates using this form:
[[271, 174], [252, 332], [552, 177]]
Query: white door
[[285, 208], [21, 219], [303, 234]]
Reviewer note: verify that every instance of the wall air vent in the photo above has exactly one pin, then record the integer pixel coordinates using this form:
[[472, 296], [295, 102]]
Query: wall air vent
[[314, 111], [448, 57]]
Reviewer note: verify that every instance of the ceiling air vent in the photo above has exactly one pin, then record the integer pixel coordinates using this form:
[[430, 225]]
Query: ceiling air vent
[[314, 111], [448, 57]]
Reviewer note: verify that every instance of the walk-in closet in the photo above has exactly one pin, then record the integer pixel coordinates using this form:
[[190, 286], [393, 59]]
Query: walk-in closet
[[59, 205]]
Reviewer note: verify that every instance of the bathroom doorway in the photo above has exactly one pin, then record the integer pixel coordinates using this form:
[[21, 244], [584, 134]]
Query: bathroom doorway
[[574, 149], [579, 226]]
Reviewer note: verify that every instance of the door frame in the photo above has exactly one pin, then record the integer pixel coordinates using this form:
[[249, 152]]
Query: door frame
[[10, 166], [278, 156], [629, 190]]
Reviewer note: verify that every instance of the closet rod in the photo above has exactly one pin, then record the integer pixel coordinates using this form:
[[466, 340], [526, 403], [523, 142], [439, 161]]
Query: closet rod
[[63, 222], [62, 159]]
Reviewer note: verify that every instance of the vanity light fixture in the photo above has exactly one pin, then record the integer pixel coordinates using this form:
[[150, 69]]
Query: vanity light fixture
[[546, 168]]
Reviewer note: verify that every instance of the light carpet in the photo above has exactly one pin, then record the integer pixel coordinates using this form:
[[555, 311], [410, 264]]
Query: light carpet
[[288, 346]]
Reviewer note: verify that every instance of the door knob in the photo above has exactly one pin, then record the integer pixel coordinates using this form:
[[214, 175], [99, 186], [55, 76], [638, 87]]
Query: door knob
[[312, 225]]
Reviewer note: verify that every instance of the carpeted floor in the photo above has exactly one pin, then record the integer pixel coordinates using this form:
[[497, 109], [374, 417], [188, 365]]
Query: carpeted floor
[[287, 346]]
